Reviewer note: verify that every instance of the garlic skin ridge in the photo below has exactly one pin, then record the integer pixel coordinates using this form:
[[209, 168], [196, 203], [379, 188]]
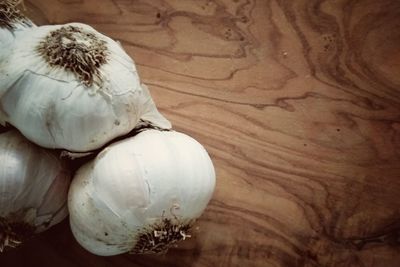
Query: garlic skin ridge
[[56, 107], [34, 185], [138, 189]]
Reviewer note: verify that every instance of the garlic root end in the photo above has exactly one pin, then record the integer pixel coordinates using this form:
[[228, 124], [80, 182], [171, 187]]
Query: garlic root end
[[12, 234]]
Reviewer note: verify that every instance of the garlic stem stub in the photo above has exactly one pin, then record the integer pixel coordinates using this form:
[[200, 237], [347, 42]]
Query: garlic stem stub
[[12, 21], [70, 87], [34, 185], [141, 194]]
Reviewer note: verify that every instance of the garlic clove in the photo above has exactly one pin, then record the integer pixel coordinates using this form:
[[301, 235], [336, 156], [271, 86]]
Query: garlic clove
[[53, 207], [70, 87], [141, 194], [33, 189], [150, 112], [100, 231], [65, 117], [6, 42], [150, 115]]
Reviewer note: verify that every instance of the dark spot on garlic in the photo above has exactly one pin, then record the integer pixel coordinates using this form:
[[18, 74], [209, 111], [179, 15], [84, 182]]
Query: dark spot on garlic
[[159, 237], [75, 50], [13, 233]]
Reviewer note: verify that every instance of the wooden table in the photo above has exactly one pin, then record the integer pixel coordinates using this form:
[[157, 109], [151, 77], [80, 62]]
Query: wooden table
[[298, 104]]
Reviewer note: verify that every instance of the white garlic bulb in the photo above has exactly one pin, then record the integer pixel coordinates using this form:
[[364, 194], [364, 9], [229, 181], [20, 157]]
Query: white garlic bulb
[[141, 194], [70, 87], [34, 186], [12, 22]]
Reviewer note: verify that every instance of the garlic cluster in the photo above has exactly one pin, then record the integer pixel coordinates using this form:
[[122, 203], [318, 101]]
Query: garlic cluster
[[141, 194], [70, 87], [34, 185]]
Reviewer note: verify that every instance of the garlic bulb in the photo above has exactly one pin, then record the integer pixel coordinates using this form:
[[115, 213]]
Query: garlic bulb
[[33, 189], [12, 21], [141, 194], [70, 87]]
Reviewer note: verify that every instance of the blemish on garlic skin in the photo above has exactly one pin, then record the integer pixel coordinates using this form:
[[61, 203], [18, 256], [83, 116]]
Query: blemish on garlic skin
[[75, 50]]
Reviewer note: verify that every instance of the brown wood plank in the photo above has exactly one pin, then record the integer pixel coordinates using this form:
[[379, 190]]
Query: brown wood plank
[[298, 104]]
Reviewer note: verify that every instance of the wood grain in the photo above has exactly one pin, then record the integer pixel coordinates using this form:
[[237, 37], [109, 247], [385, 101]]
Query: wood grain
[[298, 104]]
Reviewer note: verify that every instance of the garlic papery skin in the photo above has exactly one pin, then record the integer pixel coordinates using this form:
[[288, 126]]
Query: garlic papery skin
[[12, 22], [34, 186], [70, 87], [141, 194]]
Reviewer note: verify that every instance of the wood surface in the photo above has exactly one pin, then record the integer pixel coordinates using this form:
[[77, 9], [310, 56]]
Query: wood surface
[[298, 104]]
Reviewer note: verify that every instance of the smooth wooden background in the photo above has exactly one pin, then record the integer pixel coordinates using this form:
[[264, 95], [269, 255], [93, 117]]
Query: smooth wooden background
[[298, 104]]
